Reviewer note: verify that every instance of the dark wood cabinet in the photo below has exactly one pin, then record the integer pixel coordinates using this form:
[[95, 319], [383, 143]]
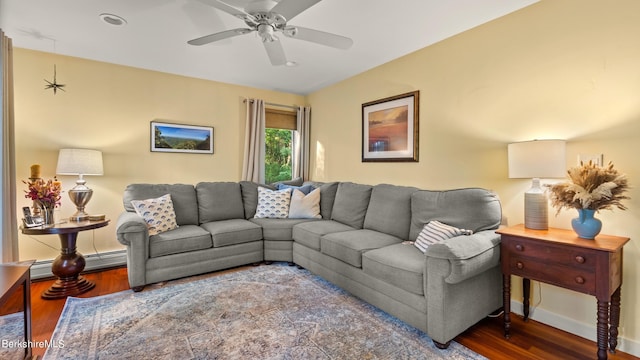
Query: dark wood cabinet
[[558, 257]]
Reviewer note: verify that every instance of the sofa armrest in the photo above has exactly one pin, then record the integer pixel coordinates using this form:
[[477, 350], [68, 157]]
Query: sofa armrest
[[130, 223], [467, 256], [132, 231]]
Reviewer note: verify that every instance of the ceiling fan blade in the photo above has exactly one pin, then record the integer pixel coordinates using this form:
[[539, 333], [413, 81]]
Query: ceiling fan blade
[[318, 37], [240, 14], [290, 8], [219, 36], [275, 52]]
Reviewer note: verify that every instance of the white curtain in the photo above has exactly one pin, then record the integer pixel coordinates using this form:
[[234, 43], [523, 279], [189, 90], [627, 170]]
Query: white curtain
[[301, 144], [9, 220], [253, 164]]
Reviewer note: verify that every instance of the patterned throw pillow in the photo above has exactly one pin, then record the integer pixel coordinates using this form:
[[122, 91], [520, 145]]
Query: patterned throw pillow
[[305, 206], [435, 232], [158, 213], [273, 204]]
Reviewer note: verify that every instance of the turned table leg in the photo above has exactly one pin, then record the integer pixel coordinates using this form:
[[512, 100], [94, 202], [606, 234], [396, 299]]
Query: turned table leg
[[614, 320], [603, 329], [67, 267], [506, 293]]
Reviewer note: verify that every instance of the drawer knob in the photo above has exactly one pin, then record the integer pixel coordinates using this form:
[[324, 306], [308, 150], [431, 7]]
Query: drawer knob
[[519, 265], [579, 279], [580, 259], [519, 247]]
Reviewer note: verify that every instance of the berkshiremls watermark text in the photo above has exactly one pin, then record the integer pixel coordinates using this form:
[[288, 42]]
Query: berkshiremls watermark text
[[8, 344]]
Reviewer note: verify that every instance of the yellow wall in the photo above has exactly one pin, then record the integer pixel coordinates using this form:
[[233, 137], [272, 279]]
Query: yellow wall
[[566, 69], [109, 107], [558, 69]]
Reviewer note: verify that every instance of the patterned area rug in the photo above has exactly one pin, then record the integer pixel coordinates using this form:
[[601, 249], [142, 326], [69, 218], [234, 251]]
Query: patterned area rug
[[264, 312], [11, 336]]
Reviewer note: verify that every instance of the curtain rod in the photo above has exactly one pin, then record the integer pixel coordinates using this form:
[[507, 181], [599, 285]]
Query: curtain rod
[[279, 105]]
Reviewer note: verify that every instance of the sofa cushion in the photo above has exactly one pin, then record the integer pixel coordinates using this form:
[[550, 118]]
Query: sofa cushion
[[327, 196], [183, 197], [183, 239], [249, 191], [231, 232], [273, 204], [219, 201], [472, 208], [309, 233], [278, 229], [293, 182], [348, 246], [305, 188], [350, 206], [435, 232], [389, 210], [157, 213], [399, 264], [305, 206]]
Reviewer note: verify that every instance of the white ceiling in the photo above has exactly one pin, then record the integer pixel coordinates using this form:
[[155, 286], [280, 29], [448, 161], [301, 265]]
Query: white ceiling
[[155, 36]]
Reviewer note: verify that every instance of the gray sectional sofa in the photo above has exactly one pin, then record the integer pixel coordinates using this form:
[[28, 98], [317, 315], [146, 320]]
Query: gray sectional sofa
[[362, 244]]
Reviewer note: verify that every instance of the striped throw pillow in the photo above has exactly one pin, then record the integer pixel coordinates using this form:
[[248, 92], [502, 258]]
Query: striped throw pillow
[[435, 232]]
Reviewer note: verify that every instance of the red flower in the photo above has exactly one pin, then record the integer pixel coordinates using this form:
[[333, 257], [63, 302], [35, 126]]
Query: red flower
[[46, 192]]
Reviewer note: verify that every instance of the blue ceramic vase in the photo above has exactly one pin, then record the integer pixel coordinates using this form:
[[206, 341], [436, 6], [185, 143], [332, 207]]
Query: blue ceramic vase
[[585, 225]]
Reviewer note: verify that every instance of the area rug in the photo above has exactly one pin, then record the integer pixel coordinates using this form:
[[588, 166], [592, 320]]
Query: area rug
[[265, 312], [11, 336]]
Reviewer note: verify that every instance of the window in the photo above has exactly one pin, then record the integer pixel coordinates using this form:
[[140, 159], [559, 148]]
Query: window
[[279, 128]]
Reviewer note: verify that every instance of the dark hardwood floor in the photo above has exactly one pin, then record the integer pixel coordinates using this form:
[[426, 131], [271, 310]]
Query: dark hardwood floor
[[530, 340]]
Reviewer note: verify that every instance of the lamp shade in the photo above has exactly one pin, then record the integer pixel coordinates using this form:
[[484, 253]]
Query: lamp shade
[[537, 159], [79, 162]]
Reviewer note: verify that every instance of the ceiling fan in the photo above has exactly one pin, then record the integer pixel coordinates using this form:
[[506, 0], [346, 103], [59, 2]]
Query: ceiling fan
[[267, 18]]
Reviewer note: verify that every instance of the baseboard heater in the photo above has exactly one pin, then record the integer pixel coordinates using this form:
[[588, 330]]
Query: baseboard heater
[[98, 261]]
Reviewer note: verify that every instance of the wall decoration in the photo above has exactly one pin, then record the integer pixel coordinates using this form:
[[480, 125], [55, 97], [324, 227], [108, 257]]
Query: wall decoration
[[166, 137], [54, 85], [390, 128]]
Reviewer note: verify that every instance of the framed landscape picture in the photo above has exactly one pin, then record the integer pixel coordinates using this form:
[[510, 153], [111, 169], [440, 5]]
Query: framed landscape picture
[[390, 128], [166, 137]]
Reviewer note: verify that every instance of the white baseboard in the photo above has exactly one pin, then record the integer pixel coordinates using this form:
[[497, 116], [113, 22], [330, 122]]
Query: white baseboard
[[587, 331], [42, 269]]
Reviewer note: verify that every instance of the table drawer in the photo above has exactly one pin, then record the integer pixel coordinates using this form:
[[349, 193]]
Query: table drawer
[[581, 280], [551, 253]]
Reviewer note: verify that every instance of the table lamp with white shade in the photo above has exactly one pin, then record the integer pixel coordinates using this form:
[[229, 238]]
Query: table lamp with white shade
[[80, 162], [537, 159]]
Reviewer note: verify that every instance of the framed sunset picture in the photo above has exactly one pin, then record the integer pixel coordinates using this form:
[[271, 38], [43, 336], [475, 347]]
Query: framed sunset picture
[[390, 128]]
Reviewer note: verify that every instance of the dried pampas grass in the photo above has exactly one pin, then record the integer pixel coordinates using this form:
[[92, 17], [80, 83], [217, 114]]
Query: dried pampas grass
[[590, 187]]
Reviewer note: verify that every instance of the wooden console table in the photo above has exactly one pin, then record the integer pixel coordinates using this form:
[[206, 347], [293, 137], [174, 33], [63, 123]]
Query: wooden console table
[[558, 257], [69, 264], [13, 277]]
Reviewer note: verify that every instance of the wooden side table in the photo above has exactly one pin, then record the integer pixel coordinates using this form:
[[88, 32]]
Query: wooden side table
[[558, 257], [69, 264], [14, 276]]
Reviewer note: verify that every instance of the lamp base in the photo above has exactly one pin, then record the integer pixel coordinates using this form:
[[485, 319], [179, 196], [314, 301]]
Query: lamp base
[[79, 216], [80, 196], [536, 208]]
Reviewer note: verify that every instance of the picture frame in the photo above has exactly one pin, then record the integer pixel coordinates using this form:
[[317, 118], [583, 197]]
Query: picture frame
[[180, 138], [390, 129]]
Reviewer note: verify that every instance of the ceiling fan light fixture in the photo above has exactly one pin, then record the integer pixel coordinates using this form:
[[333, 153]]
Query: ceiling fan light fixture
[[113, 20], [266, 33]]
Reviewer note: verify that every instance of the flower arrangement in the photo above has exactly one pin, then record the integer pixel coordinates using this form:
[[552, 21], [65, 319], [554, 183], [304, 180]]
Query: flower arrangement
[[590, 187], [47, 193]]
